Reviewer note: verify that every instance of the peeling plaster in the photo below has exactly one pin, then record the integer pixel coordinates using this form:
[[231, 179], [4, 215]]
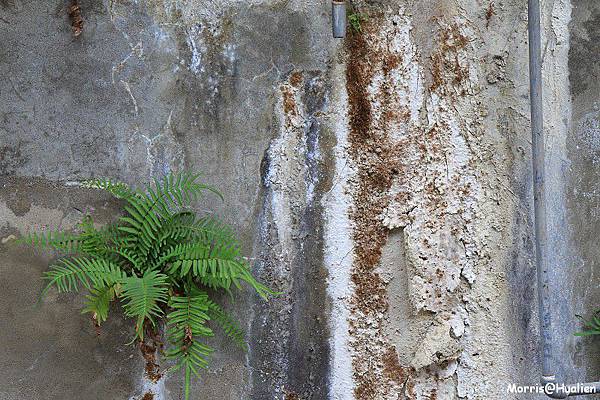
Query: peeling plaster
[[417, 129], [339, 247]]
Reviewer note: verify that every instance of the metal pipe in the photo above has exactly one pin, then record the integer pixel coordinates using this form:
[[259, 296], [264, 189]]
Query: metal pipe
[[338, 14], [552, 388], [539, 189]]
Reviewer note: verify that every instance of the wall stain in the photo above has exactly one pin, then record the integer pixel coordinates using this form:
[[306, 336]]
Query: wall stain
[[374, 156], [295, 176]]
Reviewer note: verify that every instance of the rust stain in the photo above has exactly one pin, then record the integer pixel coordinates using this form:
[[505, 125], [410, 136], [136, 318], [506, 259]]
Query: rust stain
[[76, 17], [296, 79], [392, 368], [446, 68], [148, 349], [148, 396], [290, 395], [374, 156], [289, 91], [152, 368], [391, 62], [410, 389], [289, 103], [489, 14]]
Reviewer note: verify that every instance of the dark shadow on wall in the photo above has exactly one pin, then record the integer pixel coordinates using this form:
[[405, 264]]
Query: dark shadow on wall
[[521, 275], [584, 177]]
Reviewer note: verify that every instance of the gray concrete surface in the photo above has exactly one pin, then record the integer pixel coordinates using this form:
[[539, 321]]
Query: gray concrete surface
[[51, 349], [150, 88], [382, 183], [583, 147]]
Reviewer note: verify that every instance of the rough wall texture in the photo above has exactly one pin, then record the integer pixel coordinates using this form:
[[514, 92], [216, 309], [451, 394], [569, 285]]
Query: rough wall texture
[[582, 188], [381, 182], [426, 169]]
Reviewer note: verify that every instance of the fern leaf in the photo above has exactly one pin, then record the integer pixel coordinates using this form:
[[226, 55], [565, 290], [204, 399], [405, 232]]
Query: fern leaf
[[118, 189], [211, 230], [228, 324], [218, 267], [592, 326], [108, 236], [143, 296], [67, 274], [176, 190], [143, 224], [129, 255], [140, 208], [174, 230], [56, 240], [98, 302], [185, 325]]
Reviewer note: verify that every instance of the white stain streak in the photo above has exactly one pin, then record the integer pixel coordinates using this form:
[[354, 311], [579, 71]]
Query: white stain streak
[[133, 100], [149, 386], [196, 59], [136, 50], [338, 249], [284, 165]]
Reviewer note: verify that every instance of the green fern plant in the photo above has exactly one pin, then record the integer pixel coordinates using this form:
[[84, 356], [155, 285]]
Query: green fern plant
[[592, 326], [160, 260]]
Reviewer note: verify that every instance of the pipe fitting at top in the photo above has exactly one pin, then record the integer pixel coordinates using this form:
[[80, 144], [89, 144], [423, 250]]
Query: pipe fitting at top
[[338, 17]]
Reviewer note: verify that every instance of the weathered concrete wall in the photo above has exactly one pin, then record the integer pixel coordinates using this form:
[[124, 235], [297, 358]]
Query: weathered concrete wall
[[428, 86], [582, 176], [382, 183]]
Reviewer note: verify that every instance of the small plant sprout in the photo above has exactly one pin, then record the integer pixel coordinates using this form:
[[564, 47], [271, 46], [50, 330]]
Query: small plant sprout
[[161, 261], [355, 20]]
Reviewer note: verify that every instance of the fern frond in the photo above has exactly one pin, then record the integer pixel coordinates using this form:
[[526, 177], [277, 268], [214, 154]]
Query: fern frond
[[228, 324], [211, 230], [95, 242], [142, 221], [175, 229], [118, 189], [218, 267], [67, 274], [143, 296], [179, 253], [56, 240], [243, 273], [185, 325], [131, 256], [147, 211], [183, 227], [191, 358], [176, 190], [592, 326], [200, 259], [98, 302], [98, 242]]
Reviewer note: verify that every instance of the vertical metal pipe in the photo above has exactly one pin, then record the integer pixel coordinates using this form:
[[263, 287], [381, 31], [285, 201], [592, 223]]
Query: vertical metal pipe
[[539, 205], [539, 189], [338, 15]]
